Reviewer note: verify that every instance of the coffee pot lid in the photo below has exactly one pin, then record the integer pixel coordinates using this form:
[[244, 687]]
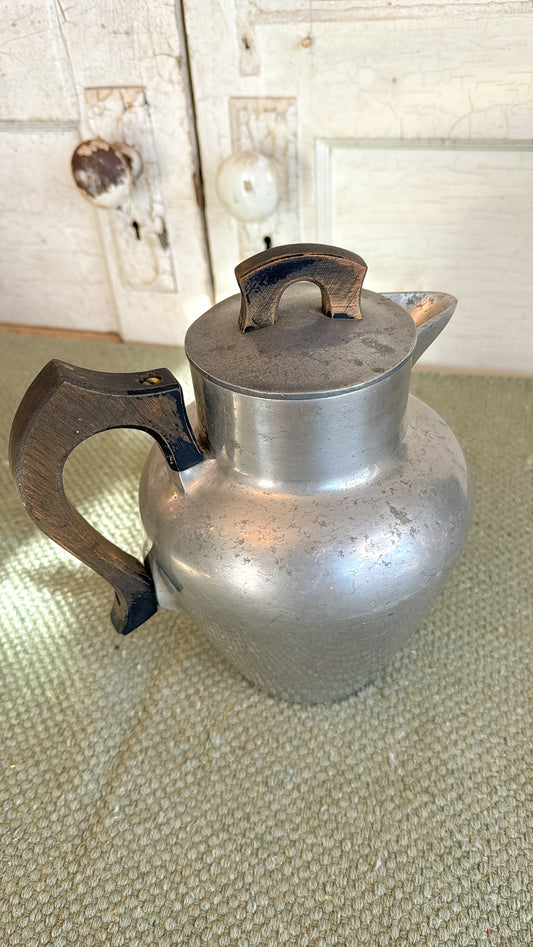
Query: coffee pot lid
[[301, 346]]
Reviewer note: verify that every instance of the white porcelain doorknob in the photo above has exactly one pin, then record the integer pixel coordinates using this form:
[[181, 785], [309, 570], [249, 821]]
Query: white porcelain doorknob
[[105, 173], [247, 186]]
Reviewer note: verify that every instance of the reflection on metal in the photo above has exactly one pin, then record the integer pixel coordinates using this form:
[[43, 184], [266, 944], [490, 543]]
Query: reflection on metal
[[325, 524]]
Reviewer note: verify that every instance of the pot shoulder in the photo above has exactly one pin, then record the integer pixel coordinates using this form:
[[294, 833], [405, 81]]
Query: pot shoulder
[[399, 525], [309, 590]]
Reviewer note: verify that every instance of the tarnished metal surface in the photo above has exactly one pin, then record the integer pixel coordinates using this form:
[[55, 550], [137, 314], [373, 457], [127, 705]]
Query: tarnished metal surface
[[331, 507], [312, 543], [103, 172], [429, 311], [305, 352], [321, 509]]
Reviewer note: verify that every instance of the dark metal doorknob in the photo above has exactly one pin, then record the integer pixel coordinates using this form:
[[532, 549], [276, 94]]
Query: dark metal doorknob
[[105, 173]]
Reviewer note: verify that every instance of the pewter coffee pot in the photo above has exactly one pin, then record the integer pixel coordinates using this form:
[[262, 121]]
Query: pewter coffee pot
[[307, 510]]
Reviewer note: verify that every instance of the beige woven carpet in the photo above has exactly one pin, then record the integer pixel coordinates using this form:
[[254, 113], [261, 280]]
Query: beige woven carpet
[[151, 796]]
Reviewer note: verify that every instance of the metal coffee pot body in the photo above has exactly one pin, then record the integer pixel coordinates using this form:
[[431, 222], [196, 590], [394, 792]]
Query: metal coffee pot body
[[307, 510]]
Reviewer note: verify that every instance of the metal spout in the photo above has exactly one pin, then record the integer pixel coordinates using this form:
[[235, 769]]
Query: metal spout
[[429, 311]]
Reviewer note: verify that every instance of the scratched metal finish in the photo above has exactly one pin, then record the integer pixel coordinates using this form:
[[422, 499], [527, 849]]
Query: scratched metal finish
[[306, 352], [312, 541]]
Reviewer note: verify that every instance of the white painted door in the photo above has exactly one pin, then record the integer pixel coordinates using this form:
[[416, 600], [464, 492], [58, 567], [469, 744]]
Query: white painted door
[[114, 69], [400, 130]]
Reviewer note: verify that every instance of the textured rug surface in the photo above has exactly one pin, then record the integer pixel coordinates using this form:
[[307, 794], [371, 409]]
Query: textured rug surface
[[149, 795]]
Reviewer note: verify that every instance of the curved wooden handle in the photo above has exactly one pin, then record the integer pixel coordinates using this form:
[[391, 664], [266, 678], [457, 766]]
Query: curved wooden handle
[[64, 406], [263, 279]]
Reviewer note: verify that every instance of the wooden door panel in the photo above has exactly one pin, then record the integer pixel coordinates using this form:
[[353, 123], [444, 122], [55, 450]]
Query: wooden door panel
[[407, 74], [440, 216], [52, 266], [37, 79], [57, 59]]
